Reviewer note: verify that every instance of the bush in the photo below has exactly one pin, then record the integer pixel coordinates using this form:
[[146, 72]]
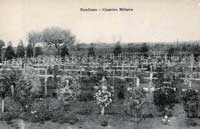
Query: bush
[[12, 110], [191, 122], [86, 96], [12, 106], [191, 103], [67, 118], [104, 123], [8, 116], [164, 99], [165, 94], [135, 101], [39, 112], [43, 110]]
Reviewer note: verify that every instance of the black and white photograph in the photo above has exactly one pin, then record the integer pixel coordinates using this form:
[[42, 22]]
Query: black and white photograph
[[99, 64]]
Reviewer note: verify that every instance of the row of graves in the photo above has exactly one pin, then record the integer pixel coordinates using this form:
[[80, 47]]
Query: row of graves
[[128, 78], [140, 70]]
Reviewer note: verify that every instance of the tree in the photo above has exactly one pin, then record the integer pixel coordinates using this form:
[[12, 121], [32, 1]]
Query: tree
[[2, 43], [10, 54], [78, 47], [57, 37], [29, 50], [64, 51], [33, 39], [171, 51], [20, 50], [38, 51], [91, 50], [144, 49], [117, 50]]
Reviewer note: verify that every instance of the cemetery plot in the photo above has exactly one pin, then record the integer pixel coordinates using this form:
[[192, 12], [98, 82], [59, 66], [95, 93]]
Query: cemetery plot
[[135, 88]]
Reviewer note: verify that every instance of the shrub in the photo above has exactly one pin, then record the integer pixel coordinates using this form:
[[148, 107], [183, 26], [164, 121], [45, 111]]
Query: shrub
[[104, 123], [164, 99], [68, 89], [46, 109], [8, 116], [49, 109], [135, 101], [12, 106], [69, 118], [86, 96], [191, 103], [12, 110], [39, 112], [165, 94], [191, 122]]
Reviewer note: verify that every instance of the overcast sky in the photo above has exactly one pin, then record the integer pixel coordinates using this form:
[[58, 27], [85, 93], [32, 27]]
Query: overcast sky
[[151, 20]]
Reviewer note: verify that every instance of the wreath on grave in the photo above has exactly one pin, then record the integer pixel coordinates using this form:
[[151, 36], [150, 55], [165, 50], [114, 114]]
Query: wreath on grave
[[103, 95]]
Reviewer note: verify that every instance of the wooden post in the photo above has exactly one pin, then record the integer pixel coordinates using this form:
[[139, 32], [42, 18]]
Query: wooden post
[[150, 83], [137, 82], [102, 110], [45, 86], [142, 65], [12, 90], [122, 72], [151, 68], [22, 124], [190, 83], [2, 105]]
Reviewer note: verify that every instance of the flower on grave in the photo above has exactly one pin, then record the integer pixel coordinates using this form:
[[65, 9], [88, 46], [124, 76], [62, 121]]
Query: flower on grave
[[26, 106], [165, 119], [129, 88], [33, 112]]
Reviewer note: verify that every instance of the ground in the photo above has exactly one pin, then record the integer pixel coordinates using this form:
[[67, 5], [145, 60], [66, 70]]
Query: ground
[[117, 121]]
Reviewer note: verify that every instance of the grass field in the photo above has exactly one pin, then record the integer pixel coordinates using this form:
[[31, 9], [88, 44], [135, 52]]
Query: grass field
[[112, 120]]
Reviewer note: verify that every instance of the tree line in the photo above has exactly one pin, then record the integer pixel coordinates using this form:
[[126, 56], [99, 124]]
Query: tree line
[[62, 41], [54, 38]]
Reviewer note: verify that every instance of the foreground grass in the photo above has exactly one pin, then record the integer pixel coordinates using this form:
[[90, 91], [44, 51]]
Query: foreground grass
[[116, 121]]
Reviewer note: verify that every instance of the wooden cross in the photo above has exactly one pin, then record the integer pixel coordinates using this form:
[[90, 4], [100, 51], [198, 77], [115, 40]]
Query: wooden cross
[[150, 78]]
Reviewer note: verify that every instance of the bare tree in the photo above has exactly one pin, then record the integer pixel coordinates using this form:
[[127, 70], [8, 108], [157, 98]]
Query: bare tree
[[57, 37]]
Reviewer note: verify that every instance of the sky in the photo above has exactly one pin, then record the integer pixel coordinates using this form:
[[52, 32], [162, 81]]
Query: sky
[[150, 20]]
